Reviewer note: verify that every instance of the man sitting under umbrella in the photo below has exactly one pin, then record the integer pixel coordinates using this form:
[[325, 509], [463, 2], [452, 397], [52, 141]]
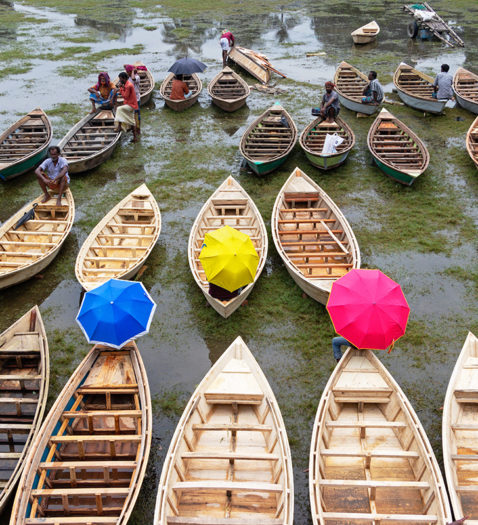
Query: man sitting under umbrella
[[179, 89], [181, 68]]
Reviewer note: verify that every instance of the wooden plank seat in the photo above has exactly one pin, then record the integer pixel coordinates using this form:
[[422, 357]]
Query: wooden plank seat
[[73, 520], [82, 438], [209, 520], [464, 457], [231, 427], [233, 486], [373, 484], [376, 453], [366, 424], [15, 428], [10, 455], [347, 517], [91, 492], [462, 426], [236, 456], [78, 465], [101, 413]]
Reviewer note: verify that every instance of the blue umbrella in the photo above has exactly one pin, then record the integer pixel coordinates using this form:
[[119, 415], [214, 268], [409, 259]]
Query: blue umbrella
[[116, 312], [187, 66]]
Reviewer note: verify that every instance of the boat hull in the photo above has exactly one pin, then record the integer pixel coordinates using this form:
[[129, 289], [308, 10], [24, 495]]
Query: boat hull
[[327, 162], [263, 168], [22, 167], [358, 107], [430, 106], [363, 39], [231, 106], [252, 67], [399, 176], [466, 104], [181, 105]]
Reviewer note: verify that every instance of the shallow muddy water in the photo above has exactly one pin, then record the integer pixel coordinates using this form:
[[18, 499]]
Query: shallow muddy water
[[424, 236]]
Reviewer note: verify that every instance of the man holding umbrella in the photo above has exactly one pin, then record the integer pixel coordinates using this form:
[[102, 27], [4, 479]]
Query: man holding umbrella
[[181, 68]]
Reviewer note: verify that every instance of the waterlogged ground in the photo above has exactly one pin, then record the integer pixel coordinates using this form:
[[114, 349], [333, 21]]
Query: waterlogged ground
[[424, 236]]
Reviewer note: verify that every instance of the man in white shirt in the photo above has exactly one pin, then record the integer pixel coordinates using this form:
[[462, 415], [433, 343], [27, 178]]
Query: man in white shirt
[[52, 174]]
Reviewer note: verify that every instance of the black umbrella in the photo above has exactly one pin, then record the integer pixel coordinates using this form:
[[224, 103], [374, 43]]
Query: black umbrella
[[187, 66], [26, 217]]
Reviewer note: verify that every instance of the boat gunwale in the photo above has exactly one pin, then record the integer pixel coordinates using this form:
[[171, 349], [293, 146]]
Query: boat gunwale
[[473, 155], [236, 77]]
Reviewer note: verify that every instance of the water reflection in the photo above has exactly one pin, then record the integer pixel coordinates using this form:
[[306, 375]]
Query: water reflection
[[121, 29], [186, 36]]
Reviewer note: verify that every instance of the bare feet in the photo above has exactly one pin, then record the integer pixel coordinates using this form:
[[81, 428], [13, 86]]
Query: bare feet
[[93, 111], [46, 197], [58, 200]]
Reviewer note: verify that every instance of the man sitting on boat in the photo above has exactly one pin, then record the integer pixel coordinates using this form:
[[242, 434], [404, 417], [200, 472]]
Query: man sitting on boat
[[442, 87], [53, 174], [102, 93], [226, 41], [126, 118], [373, 93], [330, 106], [179, 89]]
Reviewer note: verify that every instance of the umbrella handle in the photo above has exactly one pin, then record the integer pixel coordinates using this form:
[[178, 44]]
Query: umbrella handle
[[390, 348]]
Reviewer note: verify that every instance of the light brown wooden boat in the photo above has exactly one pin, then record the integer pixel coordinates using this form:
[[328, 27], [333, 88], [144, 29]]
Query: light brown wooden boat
[[194, 85], [88, 461], [24, 379], [253, 62], [312, 236], [120, 243], [472, 142], [465, 86], [229, 461], [228, 90], [229, 205], [366, 34], [350, 84], [29, 249], [370, 459], [90, 142], [146, 85], [460, 433]]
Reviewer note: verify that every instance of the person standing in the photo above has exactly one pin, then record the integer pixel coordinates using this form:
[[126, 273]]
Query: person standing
[[226, 41], [330, 106], [52, 174], [442, 87], [373, 93], [126, 118], [136, 80]]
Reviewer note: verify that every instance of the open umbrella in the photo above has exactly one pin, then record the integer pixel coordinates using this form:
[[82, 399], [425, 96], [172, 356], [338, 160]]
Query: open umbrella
[[368, 309], [116, 312], [229, 258], [187, 66]]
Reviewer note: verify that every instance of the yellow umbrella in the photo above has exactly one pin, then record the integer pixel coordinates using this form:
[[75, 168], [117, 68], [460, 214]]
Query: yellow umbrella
[[229, 258]]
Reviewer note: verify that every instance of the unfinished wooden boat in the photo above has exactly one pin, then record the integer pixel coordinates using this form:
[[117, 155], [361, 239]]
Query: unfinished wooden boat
[[472, 142], [312, 236], [312, 142], [465, 86], [370, 459], [33, 245], [146, 85], [366, 34], [24, 144], [88, 461], [267, 142], [229, 205], [228, 90], [415, 89], [350, 84], [396, 150], [90, 142], [229, 460], [24, 379], [194, 85], [252, 62], [120, 243]]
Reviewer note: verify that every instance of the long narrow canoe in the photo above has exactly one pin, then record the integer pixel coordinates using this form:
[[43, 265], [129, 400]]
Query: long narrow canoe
[[251, 62], [312, 236], [228, 90], [267, 142], [120, 243], [465, 86], [229, 460], [194, 85], [350, 84], [396, 150], [146, 85], [312, 142], [460, 433], [88, 461], [24, 378], [32, 246], [366, 34], [472, 142], [415, 89], [370, 459], [229, 205], [90, 142], [24, 144]]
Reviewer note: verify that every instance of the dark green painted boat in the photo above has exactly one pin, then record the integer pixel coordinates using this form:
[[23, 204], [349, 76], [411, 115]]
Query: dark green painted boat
[[24, 144]]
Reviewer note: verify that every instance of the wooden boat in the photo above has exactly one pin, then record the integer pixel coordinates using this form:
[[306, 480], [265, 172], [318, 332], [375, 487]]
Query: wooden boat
[[252, 62], [32, 246], [120, 243], [146, 85], [460, 433], [465, 86], [194, 85], [312, 236], [350, 84], [24, 144], [88, 461], [366, 34], [370, 459], [267, 142], [472, 142], [90, 142], [229, 205], [228, 90], [312, 142], [415, 89], [24, 378], [229, 460], [396, 150]]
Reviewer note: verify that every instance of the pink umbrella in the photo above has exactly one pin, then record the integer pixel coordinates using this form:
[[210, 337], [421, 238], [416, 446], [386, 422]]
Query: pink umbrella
[[368, 309]]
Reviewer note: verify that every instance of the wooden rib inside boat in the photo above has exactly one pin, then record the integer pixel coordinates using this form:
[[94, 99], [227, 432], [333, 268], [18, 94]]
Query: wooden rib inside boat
[[229, 205], [472, 142], [90, 142], [229, 460], [120, 243], [194, 85], [32, 246], [24, 378], [228, 90], [465, 86], [88, 462], [370, 459]]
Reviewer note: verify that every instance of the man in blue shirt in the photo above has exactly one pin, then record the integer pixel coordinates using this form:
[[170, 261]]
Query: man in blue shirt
[[52, 174]]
